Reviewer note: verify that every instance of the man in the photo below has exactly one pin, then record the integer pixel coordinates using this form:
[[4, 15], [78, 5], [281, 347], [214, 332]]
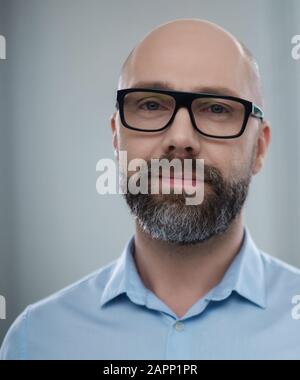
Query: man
[[190, 283]]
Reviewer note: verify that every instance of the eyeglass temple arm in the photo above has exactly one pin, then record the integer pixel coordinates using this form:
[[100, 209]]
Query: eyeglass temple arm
[[257, 112]]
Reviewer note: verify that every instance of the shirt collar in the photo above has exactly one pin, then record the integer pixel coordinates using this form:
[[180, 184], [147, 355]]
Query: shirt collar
[[244, 276], [125, 278]]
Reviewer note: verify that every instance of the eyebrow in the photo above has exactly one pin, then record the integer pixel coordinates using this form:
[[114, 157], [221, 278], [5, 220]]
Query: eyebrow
[[160, 85]]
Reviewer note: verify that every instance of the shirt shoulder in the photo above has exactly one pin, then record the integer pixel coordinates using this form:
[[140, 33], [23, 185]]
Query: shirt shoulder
[[282, 279], [83, 294], [278, 266]]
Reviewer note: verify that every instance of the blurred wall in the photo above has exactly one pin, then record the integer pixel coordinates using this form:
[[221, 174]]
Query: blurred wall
[[57, 91], [6, 259]]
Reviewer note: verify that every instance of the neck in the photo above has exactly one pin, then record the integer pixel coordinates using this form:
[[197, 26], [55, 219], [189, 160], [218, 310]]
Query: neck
[[180, 275]]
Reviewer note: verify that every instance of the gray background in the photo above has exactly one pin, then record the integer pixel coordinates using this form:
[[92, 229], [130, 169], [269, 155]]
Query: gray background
[[57, 90]]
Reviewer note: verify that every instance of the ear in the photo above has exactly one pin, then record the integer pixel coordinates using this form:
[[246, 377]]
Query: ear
[[114, 135], [263, 141]]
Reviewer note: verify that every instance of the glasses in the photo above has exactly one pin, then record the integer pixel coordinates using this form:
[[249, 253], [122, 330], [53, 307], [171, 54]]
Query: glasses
[[153, 110]]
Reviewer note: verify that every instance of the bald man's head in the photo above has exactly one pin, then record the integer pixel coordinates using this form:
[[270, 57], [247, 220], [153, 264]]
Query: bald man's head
[[185, 37], [191, 55]]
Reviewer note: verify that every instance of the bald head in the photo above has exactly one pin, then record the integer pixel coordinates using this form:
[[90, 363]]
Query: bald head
[[199, 49]]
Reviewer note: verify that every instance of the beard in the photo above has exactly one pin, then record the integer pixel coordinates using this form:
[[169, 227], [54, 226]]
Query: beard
[[167, 217]]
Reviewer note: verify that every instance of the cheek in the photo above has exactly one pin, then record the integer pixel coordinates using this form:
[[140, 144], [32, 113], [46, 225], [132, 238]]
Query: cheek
[[241, 159], [230, 157], [220, 154], [139, 145]]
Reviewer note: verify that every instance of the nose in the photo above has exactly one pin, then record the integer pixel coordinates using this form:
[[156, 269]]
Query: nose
[[181, 139]]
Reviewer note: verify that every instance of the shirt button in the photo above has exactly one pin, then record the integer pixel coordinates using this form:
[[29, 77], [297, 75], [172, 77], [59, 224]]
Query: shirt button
[[179, 326]]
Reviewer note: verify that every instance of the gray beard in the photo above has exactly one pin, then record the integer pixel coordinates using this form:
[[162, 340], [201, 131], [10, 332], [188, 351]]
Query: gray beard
[[166, 217]]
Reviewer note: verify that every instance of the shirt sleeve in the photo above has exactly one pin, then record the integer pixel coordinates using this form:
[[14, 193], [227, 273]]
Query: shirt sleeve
[[14, 343]]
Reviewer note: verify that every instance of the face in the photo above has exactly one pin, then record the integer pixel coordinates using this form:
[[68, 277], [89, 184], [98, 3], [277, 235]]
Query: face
[[193, 58]]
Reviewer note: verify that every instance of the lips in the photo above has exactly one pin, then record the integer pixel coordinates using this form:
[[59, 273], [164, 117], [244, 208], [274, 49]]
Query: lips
[[179, 177], [179, 181], [182, 176]]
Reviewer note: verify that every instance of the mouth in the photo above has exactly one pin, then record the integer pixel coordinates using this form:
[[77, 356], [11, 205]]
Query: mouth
[[178, 180]]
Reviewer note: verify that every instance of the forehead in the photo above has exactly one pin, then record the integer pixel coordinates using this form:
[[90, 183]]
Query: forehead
[[190, 65]]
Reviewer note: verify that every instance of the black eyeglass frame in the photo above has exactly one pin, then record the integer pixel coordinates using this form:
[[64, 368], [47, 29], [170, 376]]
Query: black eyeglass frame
[[185, 99]]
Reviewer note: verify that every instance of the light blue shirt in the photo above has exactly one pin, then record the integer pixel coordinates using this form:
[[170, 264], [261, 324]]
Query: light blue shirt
[[110, 314]]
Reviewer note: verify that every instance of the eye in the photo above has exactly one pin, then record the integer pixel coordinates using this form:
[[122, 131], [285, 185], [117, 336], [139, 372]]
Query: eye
[[150, 106], [217, 109]]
